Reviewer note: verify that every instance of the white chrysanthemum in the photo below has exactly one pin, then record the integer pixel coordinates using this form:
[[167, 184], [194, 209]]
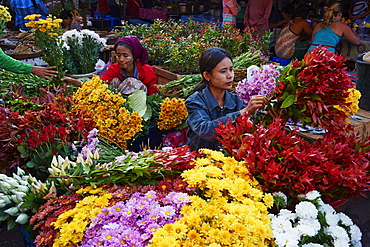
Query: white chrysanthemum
[[306, 210], [345, 219], [327, 209], [332, 219], [356, 233], [312, 245], [281, 195], [70, 34], [281, 225], [90, 33], [312, 195], [287, 214], [340, 242], [288, 239], [338, 233], [309, 227]]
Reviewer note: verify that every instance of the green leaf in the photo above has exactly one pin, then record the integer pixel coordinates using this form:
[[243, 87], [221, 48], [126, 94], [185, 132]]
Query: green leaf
[[31, 164], [291, 78], [289, 101], [315, 96], [148, 113], [137, 102], [11, 224]]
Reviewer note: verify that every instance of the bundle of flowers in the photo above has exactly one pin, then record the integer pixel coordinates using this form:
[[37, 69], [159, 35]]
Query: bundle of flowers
[[81, 50], [335, 165], [132, 222], [173, 113], [112, 119], [32, 138], [309, 90], [47, 36], [4, 18], [60, 208], [18, 196], [229, 201], [314, 223], [262, 82]]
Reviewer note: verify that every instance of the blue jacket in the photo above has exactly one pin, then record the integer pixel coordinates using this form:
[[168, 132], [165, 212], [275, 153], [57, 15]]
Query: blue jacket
[[22, 8], [205, 115]]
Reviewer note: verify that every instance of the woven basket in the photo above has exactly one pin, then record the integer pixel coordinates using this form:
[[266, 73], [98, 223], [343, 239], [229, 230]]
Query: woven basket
[[240, 74]]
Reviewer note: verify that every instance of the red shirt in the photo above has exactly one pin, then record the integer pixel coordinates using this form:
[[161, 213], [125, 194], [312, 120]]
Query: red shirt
[[146, 75]]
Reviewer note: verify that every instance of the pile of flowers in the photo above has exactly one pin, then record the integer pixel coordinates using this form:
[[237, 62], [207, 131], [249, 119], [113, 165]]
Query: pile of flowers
[[81, 50], [285, 162], [133, 222], [4, 18], [229, 201], [262, 82], [107, 109], [14, 207], [313, 223], [47, 36], [173, 113]]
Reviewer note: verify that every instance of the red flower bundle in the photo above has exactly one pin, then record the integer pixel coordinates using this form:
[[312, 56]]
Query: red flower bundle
[[337, 165]]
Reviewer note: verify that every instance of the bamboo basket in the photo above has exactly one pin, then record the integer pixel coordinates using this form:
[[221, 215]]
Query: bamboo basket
[[239, 74]]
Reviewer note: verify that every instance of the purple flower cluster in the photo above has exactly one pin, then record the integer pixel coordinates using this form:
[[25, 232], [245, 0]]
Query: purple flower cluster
[[133, 222], [92, 143], [263, 82]]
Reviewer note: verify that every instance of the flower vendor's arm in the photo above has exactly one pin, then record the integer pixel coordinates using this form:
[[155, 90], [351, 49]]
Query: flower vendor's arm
[[200, 122], [148, 77], [350, 34], [72, 81], [13, 65]]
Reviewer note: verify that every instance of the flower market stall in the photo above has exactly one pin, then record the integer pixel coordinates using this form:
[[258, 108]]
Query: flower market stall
[[72, 173]]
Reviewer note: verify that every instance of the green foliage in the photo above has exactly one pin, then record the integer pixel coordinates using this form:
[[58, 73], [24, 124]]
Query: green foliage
[[178, 45]]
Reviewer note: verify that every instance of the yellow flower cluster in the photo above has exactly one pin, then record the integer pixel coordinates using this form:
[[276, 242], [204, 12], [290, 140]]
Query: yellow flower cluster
[[4, 14], [51, 26], [233, 211], [353, 98], [72, 223], [112, 119], [173, 112]]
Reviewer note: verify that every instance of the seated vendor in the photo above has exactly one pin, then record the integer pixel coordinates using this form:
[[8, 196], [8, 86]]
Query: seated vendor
[[294, 39], [328, 32], [212, 103], [131, 72], [69, 22]]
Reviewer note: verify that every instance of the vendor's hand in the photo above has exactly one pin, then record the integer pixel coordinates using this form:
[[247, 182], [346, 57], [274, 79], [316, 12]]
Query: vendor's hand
[[354, 29], [72, 81], [257, 102], [44, 72]]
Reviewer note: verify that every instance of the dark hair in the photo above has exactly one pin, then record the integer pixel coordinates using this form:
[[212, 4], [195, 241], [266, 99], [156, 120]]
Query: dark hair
[[125, 45], [303, 10], [65, 14], [289, 9], [208, 61]]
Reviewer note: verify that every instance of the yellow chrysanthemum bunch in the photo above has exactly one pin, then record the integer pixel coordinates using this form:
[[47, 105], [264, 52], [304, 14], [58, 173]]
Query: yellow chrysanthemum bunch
[[112, 119], [232, 212], [4, 14], [72, 223], [50, 25], [173, 112], [353, 98], [4, 18]]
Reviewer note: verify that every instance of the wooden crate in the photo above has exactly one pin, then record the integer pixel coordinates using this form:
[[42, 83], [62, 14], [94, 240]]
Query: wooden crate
[[165, 76]]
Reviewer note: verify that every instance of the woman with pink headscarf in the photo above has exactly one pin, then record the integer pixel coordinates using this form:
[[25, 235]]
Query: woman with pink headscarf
[[130, 72]]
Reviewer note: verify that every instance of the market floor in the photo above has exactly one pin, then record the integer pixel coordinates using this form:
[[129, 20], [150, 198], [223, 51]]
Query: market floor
[[358, 211]]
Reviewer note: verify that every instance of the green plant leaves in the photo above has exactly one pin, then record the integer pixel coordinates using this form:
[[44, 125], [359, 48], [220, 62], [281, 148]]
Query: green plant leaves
[[290, 100]]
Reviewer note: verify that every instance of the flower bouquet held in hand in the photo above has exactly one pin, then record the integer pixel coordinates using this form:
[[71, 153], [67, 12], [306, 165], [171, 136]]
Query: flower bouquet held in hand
[[308, 91], [47, 36], [81, 51]]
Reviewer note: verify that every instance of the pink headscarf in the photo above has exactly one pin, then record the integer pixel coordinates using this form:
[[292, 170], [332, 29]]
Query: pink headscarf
[[139, 51]]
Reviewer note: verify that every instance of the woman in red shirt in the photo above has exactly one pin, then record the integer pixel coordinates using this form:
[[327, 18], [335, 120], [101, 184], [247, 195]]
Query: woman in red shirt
[[131, 72]]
